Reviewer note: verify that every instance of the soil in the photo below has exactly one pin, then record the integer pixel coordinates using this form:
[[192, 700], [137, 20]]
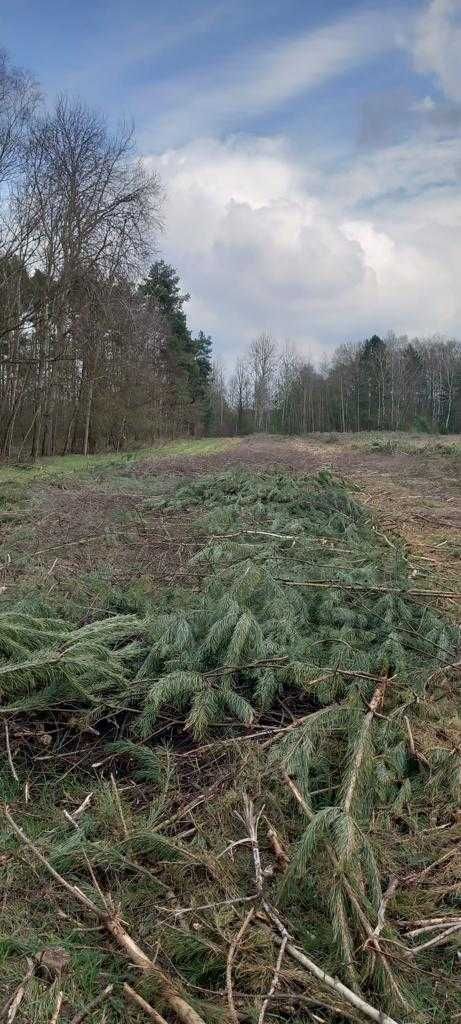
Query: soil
[[413, 471], [89, 527], [417, 495]]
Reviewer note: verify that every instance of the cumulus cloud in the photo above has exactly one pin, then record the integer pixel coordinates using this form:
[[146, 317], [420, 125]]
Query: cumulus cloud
[[316, 250], [267, 240]]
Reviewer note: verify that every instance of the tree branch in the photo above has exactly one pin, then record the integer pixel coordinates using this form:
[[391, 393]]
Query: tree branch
[[141, 960]]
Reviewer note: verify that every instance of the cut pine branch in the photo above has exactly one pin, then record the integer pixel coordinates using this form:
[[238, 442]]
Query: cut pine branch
[[9, 754], [375, 703], [275, 980], [445, 670], [80, 1016], [262, 663], [251, 820], [441, 925], [57, 1009], [236, 941], [138, 957], [142, 1004], [439, 940], [372, 935], [387, 896], [366, 589], [10, 1008], [347, 994]]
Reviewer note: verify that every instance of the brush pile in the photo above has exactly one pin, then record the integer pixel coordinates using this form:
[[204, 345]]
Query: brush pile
[[242, 804]]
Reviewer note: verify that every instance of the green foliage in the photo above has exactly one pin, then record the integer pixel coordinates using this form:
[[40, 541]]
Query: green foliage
[[422, 424], [239, 654], [202, 655], [189, 356], [149, 765]]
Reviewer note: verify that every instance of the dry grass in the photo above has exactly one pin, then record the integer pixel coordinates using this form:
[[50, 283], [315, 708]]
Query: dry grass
[[98, 534], [97, 518]]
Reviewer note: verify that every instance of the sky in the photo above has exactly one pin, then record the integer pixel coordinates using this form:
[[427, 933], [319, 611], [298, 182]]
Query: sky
[[310, 152]]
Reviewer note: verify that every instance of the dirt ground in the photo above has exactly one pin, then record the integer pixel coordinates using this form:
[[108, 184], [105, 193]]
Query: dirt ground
[[106, 525], [413, 472], [418, 495]]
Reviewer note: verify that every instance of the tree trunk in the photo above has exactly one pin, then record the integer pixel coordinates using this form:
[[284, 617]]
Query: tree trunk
[[89, 403]]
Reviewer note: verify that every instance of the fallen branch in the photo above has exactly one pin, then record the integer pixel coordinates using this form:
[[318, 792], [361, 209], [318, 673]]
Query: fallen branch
[[211, 906], [230, 958], [251, 820], [372, 934], [439, 940], [83, 806], [57, 1009], [8, 752], [70, 819], [232, 846], [141, 960], [418, 876], [253, 533], [444, 923], [10, 1008], [375, 703], [411, 743], [118, 803], [440, 672], [430, 922], [363, 588], [138, 1000], [182, 812], [70, 543], [279, 852], [351, 997], [93, 1005], [278, 662], [275, 980], [383, 906], [273, 732]]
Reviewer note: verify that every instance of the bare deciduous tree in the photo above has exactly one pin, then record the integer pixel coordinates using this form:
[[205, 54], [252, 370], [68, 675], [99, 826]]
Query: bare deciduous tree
[[95, 210], [262, 365], [379, 384]]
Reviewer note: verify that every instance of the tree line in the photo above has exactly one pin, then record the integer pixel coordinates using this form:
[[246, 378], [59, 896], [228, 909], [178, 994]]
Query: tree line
[[95, 349], [391, 383]]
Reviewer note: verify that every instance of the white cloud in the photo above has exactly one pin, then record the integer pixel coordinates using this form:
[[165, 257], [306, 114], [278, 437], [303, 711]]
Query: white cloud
[[257, 80], [425, 106], [297, 65], [317, 252], [265, 240], [437, 46]]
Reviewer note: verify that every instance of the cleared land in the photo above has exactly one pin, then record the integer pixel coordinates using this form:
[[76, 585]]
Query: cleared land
[[73, 518], [229, 700]]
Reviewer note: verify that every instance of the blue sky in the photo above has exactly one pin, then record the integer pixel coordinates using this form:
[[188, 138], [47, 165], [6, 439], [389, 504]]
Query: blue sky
[[310, 151]]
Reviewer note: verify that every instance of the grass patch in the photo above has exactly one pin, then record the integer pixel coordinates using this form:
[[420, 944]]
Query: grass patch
[[178, 711], [50, 469], [406, 444]]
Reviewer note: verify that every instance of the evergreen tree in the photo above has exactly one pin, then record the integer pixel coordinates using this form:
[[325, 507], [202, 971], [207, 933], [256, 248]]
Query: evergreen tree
[[191, 356], [162, 285]]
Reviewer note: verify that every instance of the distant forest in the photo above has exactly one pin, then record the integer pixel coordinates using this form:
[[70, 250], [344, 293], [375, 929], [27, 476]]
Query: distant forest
[[376, 384], [95, 347]]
